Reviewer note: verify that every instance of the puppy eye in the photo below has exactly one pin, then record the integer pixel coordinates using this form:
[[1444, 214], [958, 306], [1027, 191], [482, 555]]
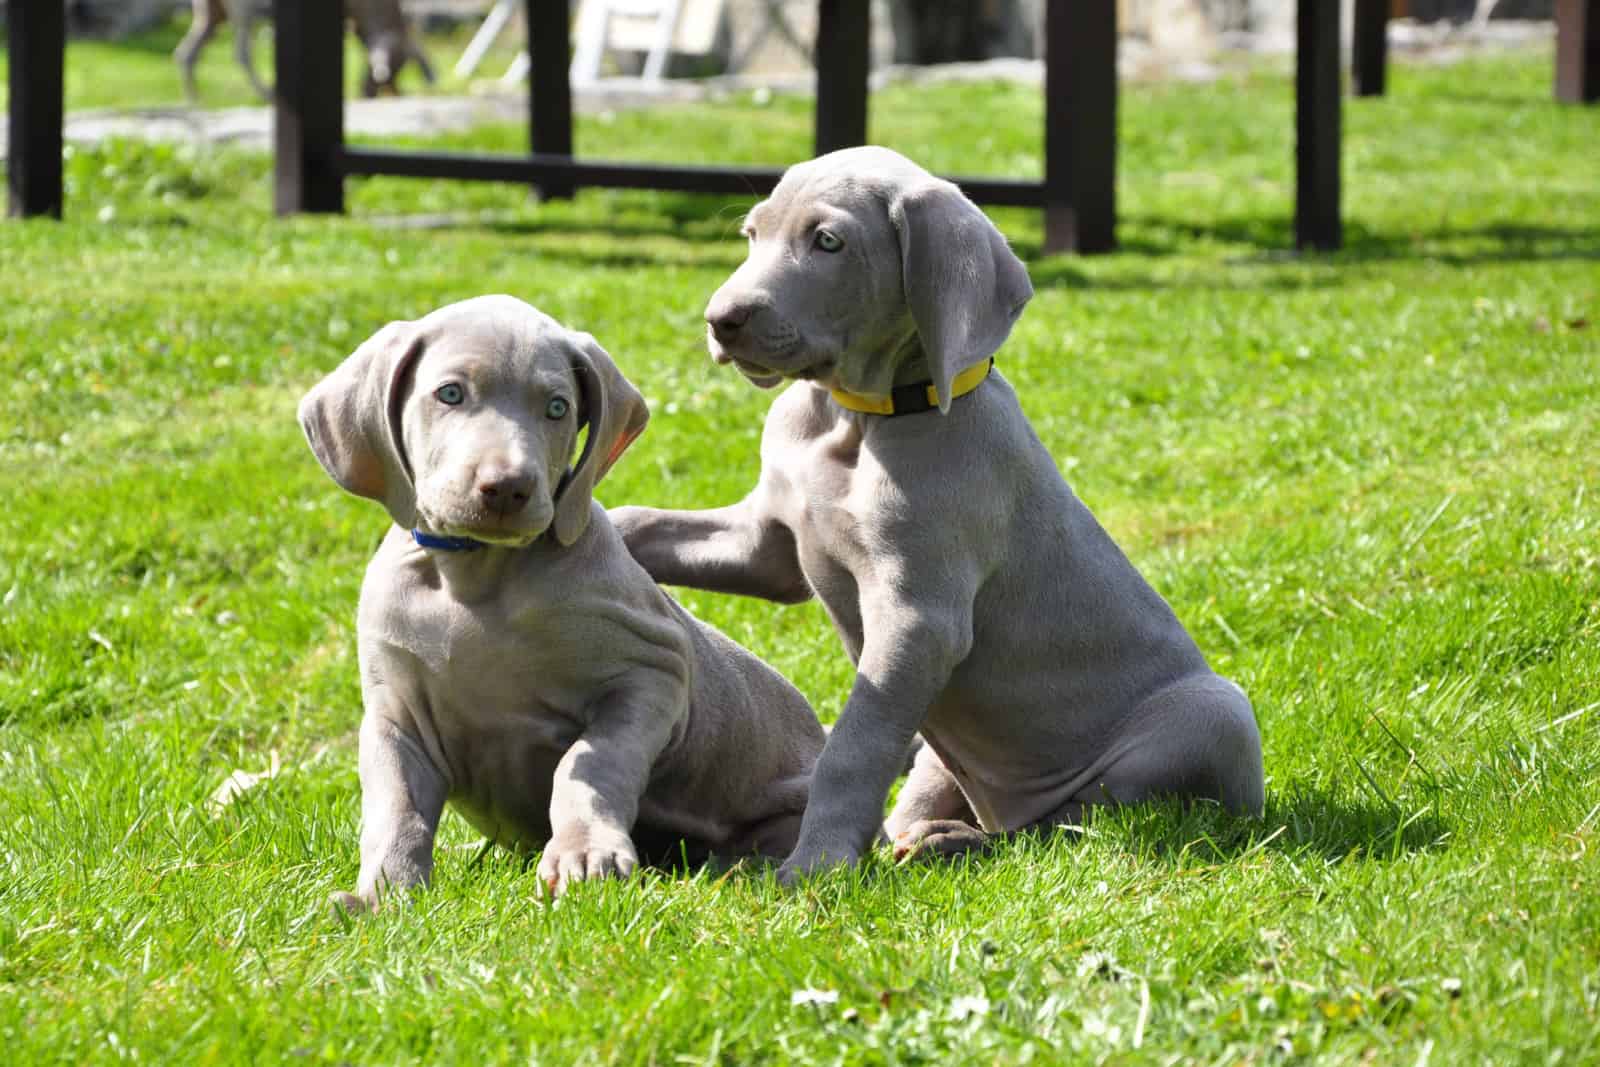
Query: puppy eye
[[828, 242], [450, 393], [557, 408]]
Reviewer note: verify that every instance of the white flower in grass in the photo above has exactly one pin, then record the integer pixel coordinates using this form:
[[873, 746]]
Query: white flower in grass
[[813, 996], [1097, 965], [964, 1007], [1101, 1027]]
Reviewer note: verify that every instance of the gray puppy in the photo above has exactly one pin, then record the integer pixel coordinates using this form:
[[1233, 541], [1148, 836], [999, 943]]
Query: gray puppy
[[515, 660], [980, 601], [380, 24]]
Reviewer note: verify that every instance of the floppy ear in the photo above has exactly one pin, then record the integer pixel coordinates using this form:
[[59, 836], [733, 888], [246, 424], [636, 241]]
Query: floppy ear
[[963, 284], [351, 420], [616, 415]]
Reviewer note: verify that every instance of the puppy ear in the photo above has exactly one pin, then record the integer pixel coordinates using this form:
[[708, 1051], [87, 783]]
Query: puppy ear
[[963, 284], [616, 414], [351, 419]]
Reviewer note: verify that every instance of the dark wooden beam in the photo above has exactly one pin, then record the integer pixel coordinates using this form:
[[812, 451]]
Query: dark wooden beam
[[550, 88], [543, 169], [308, 106], [38, 39], [843, 57], [1369, 64], [1316, 204], [1080, 134], [1578, 51]]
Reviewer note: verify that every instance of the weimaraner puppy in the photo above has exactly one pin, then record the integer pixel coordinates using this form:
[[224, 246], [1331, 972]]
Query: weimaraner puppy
[[380, 25], [515, 660], [980, 601]]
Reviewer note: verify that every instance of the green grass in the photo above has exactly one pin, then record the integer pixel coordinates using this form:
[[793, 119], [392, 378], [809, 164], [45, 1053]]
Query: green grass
[[1369, 482]]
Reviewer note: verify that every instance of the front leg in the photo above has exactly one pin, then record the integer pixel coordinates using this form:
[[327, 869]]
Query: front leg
[[595, 797], [910, 650], [402, 797], [742, 549]]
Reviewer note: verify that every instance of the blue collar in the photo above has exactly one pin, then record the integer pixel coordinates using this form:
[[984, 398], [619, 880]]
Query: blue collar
[[447, 544]]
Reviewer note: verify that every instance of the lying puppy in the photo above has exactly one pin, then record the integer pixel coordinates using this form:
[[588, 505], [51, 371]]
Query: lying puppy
[[515, 660], [380, 25], [901, 483]]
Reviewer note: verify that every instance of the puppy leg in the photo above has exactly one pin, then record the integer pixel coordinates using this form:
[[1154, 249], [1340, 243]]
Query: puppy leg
[[420, 57], [910, 651], [1198, 739], [208, 15], [595, 796], [243, 41], [402, 797], [739, 549], [930, 793]]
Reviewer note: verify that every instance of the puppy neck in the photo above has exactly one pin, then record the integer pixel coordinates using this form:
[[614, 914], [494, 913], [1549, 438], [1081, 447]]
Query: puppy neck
[[474, 571]]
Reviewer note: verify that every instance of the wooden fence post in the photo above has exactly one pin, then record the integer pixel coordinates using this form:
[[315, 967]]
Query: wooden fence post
[[843, 57], [1316, 91], [308, 106], [38, 36], [1080, 126], [1578, 51], [550, 88], [1369, 64]]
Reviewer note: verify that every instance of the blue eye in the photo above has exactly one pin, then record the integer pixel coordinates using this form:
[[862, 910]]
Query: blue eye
[[828, 242], [557, 408], [450, 393]]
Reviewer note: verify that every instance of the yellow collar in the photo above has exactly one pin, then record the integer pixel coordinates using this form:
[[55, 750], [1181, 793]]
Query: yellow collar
[[912, 399]]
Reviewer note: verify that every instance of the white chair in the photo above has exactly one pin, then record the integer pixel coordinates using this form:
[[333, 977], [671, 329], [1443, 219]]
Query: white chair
[[484, 39], [593, 38], [594, 33]]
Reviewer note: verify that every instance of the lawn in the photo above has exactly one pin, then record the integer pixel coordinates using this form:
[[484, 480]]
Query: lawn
[[1369, 482]]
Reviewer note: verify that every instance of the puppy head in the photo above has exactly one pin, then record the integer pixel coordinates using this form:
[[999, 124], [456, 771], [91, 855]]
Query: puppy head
[[859, 263], [463, 422]]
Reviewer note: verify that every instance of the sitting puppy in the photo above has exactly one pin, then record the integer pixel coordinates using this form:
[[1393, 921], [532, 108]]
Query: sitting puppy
[[901, 483], [515, 660]]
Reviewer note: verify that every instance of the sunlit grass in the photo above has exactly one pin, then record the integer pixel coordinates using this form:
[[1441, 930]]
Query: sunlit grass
[[1368, 482]]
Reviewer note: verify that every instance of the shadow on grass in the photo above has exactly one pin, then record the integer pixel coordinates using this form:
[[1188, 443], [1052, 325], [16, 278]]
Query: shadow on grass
[[1300, 824], [1273, 241], [1170, 832]]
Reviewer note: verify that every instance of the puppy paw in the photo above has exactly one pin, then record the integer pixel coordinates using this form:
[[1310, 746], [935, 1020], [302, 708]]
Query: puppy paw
[[342, 903], [934, 838], [806, 863], [583, 856]]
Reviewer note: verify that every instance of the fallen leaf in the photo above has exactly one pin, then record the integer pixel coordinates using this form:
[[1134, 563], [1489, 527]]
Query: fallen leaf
[[239, 782]]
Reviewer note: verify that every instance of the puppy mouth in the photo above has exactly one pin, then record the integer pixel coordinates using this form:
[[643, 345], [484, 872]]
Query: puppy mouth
[[764, 376], [757, 375], [501, 531]]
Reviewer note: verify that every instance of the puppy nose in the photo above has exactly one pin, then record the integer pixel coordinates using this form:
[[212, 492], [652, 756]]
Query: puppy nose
[[504, 492], [726, 320]]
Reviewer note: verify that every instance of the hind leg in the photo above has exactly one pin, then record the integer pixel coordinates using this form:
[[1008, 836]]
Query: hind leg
[[1196, 739], [243, 38], [931, 817], [208, 15]]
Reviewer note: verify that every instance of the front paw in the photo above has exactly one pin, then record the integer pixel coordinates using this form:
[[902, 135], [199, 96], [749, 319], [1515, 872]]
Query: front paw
[[342, 903], [585, 854], [806, 863]]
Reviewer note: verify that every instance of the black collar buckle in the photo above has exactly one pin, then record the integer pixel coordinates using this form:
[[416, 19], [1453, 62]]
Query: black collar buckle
[[910, 399]]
